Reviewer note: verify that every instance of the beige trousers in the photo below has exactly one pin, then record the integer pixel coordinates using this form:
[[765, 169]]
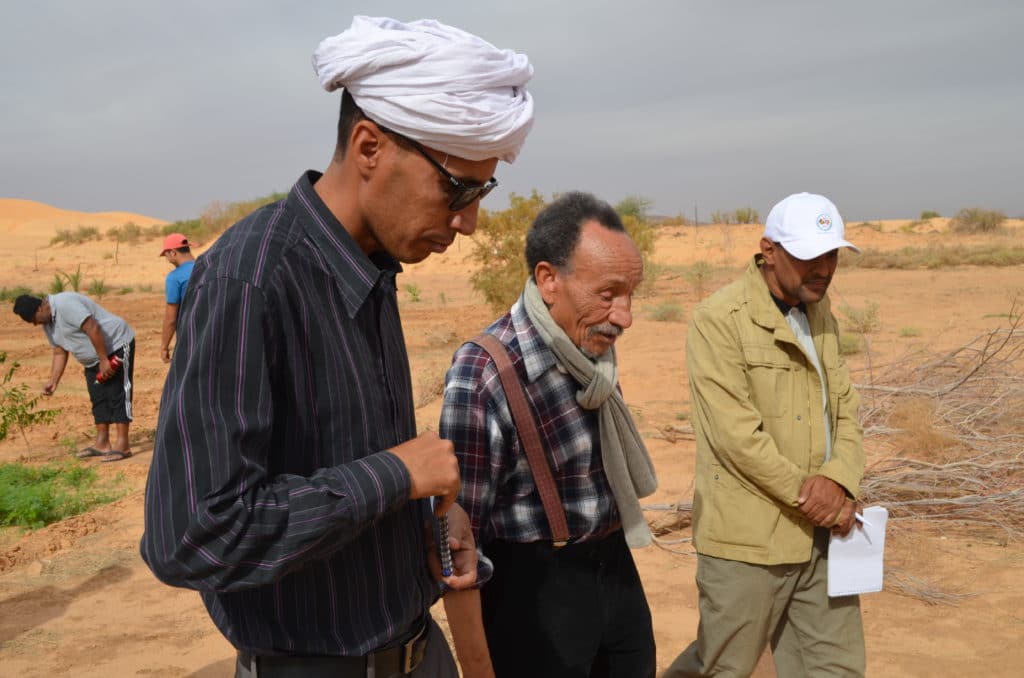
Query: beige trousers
[[743, 607]]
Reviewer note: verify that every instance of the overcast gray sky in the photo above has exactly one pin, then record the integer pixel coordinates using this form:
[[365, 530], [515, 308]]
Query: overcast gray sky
[[889, 108]]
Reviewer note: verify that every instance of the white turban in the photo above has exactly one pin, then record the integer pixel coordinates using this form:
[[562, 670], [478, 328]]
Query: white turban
[[444, 87]]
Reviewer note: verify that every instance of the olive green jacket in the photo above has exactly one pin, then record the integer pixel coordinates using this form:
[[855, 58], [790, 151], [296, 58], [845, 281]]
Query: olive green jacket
[[760, 429]]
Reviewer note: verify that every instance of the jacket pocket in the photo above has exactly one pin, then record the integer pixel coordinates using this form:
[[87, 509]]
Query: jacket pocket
[[737, 515], [769, 377]]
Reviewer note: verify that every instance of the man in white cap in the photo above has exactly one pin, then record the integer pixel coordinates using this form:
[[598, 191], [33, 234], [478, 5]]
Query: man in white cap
[[288, 484], [779, 458], [178, 253]]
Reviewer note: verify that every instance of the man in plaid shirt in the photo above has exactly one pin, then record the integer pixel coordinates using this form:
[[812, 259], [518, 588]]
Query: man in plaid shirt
[[550, 610]]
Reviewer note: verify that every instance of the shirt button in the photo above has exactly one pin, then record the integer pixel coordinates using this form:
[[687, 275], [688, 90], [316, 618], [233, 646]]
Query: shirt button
[[716, 476], [798, 417]]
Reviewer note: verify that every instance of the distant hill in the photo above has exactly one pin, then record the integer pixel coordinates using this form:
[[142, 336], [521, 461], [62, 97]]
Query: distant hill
[[35, 223]]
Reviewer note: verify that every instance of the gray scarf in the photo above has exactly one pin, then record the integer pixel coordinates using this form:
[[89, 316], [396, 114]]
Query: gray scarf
[[626, 462]]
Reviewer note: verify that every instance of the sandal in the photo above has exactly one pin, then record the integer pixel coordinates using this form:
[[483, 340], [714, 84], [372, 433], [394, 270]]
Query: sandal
[[90, 452], [116, 455]]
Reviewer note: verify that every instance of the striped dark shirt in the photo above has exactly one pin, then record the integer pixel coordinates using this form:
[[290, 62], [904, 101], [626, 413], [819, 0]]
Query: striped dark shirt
[[498, 491], [271, 490]]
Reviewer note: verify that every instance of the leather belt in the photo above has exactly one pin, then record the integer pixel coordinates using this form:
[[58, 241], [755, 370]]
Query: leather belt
[[402, 660]]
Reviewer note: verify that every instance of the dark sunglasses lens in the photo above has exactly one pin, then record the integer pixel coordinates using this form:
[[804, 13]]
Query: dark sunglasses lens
[[468, 194]]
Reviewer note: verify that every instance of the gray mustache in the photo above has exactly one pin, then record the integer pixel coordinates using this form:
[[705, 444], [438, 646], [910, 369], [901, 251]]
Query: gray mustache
[[606, 329]]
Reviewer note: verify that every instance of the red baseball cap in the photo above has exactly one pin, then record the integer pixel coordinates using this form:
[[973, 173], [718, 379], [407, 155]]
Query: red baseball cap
[[174, 241]]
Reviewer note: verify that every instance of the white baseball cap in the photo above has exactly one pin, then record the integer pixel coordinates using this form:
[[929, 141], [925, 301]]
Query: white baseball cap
[[806, 225]]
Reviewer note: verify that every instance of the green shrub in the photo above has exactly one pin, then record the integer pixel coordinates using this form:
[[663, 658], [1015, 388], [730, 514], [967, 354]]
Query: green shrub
[[668, 311], [17, 407], [929, 214], [76, 237], [935, 257], [850, 344], [746, 215], [498, 248], [130, 232], [910, 331], [862, 320], [977, 220], [13, 293], [37, 496], [500, 242], [643, 237], [634, 206]]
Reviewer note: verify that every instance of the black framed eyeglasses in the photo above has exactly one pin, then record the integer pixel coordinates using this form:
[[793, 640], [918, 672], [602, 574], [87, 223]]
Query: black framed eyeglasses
[[463, 194]]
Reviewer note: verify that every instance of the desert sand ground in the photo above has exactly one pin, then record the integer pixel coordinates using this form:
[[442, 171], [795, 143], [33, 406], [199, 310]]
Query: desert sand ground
[[75, 598]]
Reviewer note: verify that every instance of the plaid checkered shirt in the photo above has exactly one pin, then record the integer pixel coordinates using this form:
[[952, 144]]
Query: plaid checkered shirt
[[498, 490]]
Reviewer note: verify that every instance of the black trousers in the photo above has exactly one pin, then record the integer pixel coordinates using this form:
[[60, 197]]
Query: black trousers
[[573, 612]]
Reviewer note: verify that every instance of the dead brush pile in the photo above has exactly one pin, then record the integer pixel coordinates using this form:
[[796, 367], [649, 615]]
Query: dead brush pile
[[955, 425]]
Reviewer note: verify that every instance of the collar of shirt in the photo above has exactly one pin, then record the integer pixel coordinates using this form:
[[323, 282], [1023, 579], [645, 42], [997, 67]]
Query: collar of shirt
[[537, 357], [357, 273], [785, 308]]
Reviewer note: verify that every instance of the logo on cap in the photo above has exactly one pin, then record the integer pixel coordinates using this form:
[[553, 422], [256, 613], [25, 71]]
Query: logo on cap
[[824, 222]]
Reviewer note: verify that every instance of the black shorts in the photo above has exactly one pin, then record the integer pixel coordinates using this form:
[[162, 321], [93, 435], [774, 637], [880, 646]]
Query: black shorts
[[112, 400]]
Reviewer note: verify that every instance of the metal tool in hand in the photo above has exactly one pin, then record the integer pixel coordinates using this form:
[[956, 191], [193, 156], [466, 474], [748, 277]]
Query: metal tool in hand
[[443, 546]]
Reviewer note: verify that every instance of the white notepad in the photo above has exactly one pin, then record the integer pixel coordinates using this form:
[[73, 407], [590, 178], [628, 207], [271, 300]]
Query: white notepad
[[855, 561]]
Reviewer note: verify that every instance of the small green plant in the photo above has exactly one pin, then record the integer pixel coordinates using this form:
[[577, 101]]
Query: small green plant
[[146, 288], [75, 279], [98, 288], [442, 299], [57, 284], [682, 416], [125, 290], [34, 497], [668, 311], [413, 290], [908, 332], [929, 214], [62, 281], [721, 218], [977, 220], [17, 407]]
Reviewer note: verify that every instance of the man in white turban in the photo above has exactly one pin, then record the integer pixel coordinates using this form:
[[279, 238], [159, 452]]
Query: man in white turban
[[288, 484]]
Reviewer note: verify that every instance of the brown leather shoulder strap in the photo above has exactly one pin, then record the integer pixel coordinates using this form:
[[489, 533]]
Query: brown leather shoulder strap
[[526, 426]]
